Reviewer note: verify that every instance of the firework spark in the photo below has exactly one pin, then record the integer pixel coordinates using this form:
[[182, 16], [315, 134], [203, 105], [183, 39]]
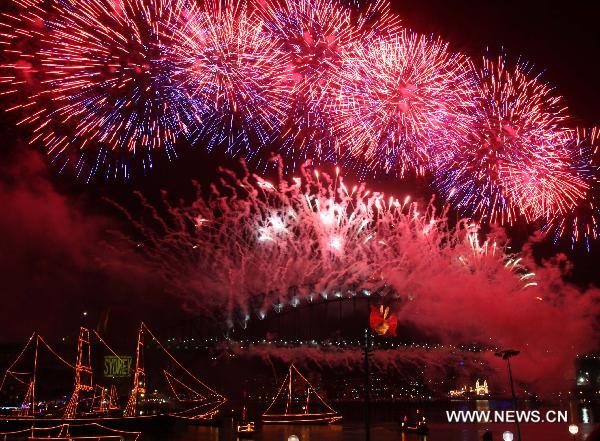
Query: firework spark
[[516, 160]]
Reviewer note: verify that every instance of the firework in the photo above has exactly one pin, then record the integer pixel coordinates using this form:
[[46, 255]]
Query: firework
[[403, 96], [516, 160], [103, 85], [317, 36], [104, 95], [233, 73], [253, 245]]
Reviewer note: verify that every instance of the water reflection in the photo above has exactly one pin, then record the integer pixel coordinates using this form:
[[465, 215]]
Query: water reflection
[[585, 415], [482, 405], [380, 432], [305, 433]]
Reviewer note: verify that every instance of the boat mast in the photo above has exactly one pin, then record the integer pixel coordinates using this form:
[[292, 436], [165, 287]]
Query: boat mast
[[289, 397], [35, 359], [139, 378], [29, 399], [307, 399], [83, 372]]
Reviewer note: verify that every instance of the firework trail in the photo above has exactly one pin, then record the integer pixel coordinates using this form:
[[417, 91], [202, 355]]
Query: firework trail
[[104, 96], [402, 97], [317, 36], [233, 73], [22, 28], [517, 159]]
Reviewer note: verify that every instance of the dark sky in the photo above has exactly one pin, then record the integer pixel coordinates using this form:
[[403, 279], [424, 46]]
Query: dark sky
[[49, 277]]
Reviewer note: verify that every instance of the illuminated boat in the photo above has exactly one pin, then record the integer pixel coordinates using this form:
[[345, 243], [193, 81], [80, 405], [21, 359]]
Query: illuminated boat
[[90, 403], [298, 402]]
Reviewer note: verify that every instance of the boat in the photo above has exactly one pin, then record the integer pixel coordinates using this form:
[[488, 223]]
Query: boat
[[417, 425], [245, 428], [197, 404], [298, 402], [92, 403], [72, 432]]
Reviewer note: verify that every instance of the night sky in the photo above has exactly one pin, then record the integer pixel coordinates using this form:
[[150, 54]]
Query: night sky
[[54, 263]]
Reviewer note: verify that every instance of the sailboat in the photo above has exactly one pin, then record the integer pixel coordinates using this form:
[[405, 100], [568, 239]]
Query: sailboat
[[198, 404], [298, 402], [245, 428], [92, 403]]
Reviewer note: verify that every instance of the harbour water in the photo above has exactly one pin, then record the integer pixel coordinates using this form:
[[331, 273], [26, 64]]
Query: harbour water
[[385, 426], [380, 432]]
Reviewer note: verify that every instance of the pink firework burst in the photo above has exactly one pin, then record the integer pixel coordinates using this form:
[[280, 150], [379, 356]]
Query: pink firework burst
[[232, 72], [403, 96], [517, 158], [317, 36]]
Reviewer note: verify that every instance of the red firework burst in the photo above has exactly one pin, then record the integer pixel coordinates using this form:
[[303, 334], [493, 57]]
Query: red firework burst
[[317, 36], [233, 73], [401, 97], [23, 29], [516, 159]]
